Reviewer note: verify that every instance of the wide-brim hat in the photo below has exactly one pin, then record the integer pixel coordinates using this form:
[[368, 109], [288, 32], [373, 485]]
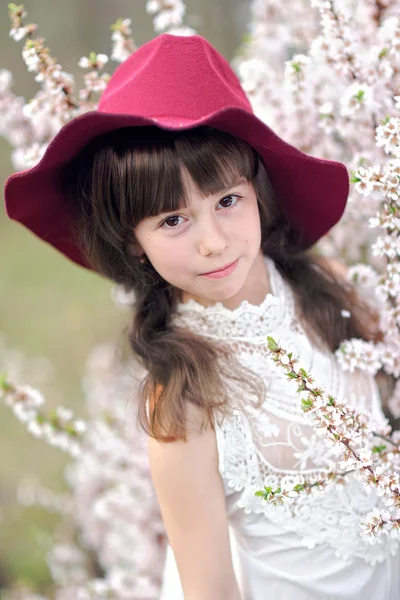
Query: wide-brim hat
[[177, 83]]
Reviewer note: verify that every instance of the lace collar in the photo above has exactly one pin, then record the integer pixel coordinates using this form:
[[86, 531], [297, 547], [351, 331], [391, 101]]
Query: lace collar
[[247, 321]]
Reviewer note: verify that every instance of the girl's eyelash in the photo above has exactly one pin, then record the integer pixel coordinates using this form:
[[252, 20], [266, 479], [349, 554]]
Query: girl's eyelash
[[226, 207]]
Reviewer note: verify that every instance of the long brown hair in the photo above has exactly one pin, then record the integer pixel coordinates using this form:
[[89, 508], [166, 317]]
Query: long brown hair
[[129, 174]]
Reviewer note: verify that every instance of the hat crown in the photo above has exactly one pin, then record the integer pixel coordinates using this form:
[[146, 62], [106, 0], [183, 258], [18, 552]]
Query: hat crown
[[173, 79]]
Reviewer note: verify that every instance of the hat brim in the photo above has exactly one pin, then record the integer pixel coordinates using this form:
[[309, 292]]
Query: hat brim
[[313, 191]]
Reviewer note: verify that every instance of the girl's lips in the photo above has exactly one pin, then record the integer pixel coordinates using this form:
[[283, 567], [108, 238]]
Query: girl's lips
[[216, 270], [222, 272]]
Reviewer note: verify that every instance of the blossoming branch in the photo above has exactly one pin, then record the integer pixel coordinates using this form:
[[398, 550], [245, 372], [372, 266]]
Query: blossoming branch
[[348, 433]]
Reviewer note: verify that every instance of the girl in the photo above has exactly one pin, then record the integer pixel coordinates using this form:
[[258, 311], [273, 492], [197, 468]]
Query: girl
[[174, 189]]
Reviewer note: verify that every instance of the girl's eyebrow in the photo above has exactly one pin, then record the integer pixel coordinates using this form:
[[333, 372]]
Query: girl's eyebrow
[[237, 181]]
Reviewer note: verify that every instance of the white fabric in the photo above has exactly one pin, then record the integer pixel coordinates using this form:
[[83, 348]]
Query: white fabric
[[313, 547]]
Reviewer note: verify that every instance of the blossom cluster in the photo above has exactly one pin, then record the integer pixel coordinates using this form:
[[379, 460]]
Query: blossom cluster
[[59, 428], [111, 507], [324, 87], [30, 126], [351, 437], [168, 16]]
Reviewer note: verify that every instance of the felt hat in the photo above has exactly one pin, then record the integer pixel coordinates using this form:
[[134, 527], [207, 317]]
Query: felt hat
[[177, 83]]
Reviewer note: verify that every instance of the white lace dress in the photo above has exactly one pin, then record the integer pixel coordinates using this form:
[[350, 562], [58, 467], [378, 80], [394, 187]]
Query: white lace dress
[[311, 549]]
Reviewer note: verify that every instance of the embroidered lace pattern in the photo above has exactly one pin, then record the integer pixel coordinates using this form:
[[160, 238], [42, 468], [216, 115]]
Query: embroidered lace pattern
[[274, 444]]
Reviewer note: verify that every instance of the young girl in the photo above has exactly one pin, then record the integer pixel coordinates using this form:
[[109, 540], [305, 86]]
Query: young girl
[[174, 189]]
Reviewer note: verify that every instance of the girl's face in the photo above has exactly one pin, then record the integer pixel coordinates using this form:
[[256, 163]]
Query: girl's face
[[209, 234]]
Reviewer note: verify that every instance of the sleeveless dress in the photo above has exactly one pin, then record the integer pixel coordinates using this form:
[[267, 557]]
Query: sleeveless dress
[[311, 548]]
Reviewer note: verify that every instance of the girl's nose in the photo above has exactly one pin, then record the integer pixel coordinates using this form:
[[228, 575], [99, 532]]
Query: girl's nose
[[213, 239]]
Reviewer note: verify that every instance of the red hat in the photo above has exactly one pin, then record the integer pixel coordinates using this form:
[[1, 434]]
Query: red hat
[[177, 83]]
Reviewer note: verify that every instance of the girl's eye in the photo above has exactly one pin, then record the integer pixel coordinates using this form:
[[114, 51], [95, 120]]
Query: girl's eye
[[227, 198], [172, 220]]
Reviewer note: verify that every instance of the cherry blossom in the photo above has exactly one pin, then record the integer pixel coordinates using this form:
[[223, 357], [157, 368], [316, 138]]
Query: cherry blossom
[[352, 433]]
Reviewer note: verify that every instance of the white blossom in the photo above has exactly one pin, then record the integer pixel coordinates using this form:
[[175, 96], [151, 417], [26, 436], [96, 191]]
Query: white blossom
[[168, 14], [354, 99], [18, 34], [358, 354]]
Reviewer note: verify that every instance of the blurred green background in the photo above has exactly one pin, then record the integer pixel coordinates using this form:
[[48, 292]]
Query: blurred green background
[[48, 306]]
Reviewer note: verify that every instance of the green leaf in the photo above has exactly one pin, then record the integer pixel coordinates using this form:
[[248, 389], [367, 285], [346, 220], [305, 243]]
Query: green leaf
[[379, 449], [272, 345], [70, 429], [306, 402], [354, 178], [360, 95], [4, 385], [14, 9], [247, 38], [117, 25], [299, 487], [92, 57]]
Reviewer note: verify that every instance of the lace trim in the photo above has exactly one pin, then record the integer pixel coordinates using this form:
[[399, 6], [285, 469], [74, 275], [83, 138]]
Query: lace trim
[[216, 321], [329, 517]]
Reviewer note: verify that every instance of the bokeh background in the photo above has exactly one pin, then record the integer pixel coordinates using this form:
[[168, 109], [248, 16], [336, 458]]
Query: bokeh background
[[51, 311]]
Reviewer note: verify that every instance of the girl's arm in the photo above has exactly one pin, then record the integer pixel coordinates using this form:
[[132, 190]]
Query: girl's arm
[[192, 502]]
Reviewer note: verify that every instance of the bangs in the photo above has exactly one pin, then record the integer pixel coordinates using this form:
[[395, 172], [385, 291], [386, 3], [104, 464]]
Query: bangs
[[151, 164]]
